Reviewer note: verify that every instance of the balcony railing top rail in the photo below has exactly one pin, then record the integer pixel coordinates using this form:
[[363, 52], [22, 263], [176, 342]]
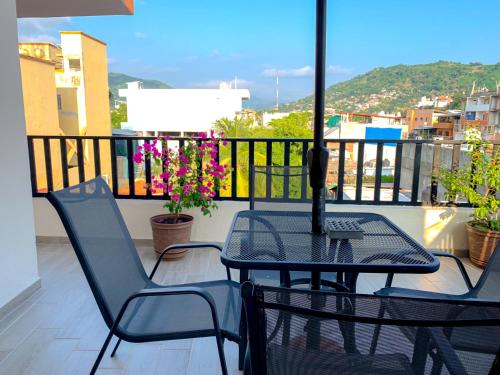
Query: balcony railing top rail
[[366, 171]]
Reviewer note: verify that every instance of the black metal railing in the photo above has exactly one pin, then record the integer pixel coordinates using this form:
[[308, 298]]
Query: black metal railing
[[392, 172]]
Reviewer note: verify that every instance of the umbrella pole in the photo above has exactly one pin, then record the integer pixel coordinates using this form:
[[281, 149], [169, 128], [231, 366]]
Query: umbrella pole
[[317, 156]]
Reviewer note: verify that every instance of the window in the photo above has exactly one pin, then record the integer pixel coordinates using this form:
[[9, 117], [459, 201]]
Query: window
[[59, 102], [74, 64]]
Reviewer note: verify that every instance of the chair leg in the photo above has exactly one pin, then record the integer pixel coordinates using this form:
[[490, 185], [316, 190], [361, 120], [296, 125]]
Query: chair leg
[[222, 357], [116, 347], [101, 353]]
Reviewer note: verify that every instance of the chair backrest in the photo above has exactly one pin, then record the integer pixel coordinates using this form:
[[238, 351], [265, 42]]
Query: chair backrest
[[102, 243], [280, 188], [488, 285], [305, 332]]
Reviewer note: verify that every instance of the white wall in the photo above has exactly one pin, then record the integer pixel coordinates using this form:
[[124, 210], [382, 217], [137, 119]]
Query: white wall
[[18, 262], [180, 110], [434, 228]]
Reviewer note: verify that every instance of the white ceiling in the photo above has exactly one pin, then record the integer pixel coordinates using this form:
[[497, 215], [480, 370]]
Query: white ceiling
[[73, 8]]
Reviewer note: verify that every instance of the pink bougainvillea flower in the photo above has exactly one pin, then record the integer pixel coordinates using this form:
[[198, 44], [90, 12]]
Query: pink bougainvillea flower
[[175, 197], [182, 171], [138, 157]]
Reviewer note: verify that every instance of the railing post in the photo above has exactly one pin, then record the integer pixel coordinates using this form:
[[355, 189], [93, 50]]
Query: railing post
[[97, 157], [286, 178], [436, 162], [64, 162], [341, 172], [81, 167], [378, 171], [397, 172], [251, 156], [416, 173], [114, 172], [359, 171], [234, 166], [31, 156], [48, 163], [130, 168], [269, 164]]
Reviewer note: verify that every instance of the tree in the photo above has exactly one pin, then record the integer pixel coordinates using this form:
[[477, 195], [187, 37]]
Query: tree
[[237, 128], [295, 125], [118, 115]]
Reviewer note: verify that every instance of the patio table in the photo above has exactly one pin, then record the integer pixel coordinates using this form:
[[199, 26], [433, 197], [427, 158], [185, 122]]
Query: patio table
[[282, 240]]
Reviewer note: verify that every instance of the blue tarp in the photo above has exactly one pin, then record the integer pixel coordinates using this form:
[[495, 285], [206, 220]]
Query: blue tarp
[[383, 133]]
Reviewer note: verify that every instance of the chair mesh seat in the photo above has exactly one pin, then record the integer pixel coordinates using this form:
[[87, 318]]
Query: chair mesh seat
[[172, 315], [302, 332], [295, 361]]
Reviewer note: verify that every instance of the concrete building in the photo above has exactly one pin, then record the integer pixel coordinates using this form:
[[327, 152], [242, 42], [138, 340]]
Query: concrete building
[[441, 101], [482, 111], [180, 111], [428, 123], [65, 92], [267, 117], [80, 76]]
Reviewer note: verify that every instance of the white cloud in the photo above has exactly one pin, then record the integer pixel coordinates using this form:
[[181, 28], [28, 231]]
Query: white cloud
[[241, 83], [214, 83], [305, 71], [337, 69], [140, 35], [42, 29]]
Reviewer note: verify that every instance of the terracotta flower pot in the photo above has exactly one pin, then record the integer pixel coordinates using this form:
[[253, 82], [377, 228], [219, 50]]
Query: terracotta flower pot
[[170, 229], [482, 243]]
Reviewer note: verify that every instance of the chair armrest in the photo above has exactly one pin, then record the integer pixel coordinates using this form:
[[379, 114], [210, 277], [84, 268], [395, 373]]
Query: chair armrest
[[460, 266], [446, 352], [192, 245], [158, 292]]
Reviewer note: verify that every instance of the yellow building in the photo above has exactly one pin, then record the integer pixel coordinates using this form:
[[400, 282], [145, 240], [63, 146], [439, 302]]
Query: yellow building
[[65, 90]]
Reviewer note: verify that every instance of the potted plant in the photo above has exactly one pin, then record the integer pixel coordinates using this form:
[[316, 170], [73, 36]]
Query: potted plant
[[479, 183], [190, 176]]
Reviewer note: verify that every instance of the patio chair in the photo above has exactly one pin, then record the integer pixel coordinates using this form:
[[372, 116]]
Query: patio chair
[[330, 333], [134, 307], [487, 288], [284, 189]]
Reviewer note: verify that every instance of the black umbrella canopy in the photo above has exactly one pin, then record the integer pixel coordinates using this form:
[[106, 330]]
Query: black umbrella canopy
[[317, 156]]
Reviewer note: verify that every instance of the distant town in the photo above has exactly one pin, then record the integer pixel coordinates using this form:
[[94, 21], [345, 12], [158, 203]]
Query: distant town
[[69, 92]]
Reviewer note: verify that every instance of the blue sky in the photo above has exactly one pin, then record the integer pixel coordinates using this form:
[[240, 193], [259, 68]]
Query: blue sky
[[198, 43]]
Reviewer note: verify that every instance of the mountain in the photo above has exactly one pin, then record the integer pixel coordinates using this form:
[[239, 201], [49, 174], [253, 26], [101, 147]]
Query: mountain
[[400, 87], [119, 81]]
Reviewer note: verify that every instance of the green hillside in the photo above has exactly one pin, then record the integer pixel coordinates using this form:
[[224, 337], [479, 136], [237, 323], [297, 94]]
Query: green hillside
[[119, 81], [400, 87]]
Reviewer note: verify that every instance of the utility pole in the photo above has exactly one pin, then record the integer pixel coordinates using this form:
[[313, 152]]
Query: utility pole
[[277, 90]]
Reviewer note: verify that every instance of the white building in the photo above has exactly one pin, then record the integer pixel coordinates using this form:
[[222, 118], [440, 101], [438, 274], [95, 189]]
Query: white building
[[482, 111], [180, 110], [267, 117]]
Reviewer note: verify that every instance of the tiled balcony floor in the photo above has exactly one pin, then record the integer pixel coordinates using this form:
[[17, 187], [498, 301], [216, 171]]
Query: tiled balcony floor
[[59, 330]]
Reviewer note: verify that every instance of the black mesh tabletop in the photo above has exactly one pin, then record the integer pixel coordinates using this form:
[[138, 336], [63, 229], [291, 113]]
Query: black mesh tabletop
[[282, 240]]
